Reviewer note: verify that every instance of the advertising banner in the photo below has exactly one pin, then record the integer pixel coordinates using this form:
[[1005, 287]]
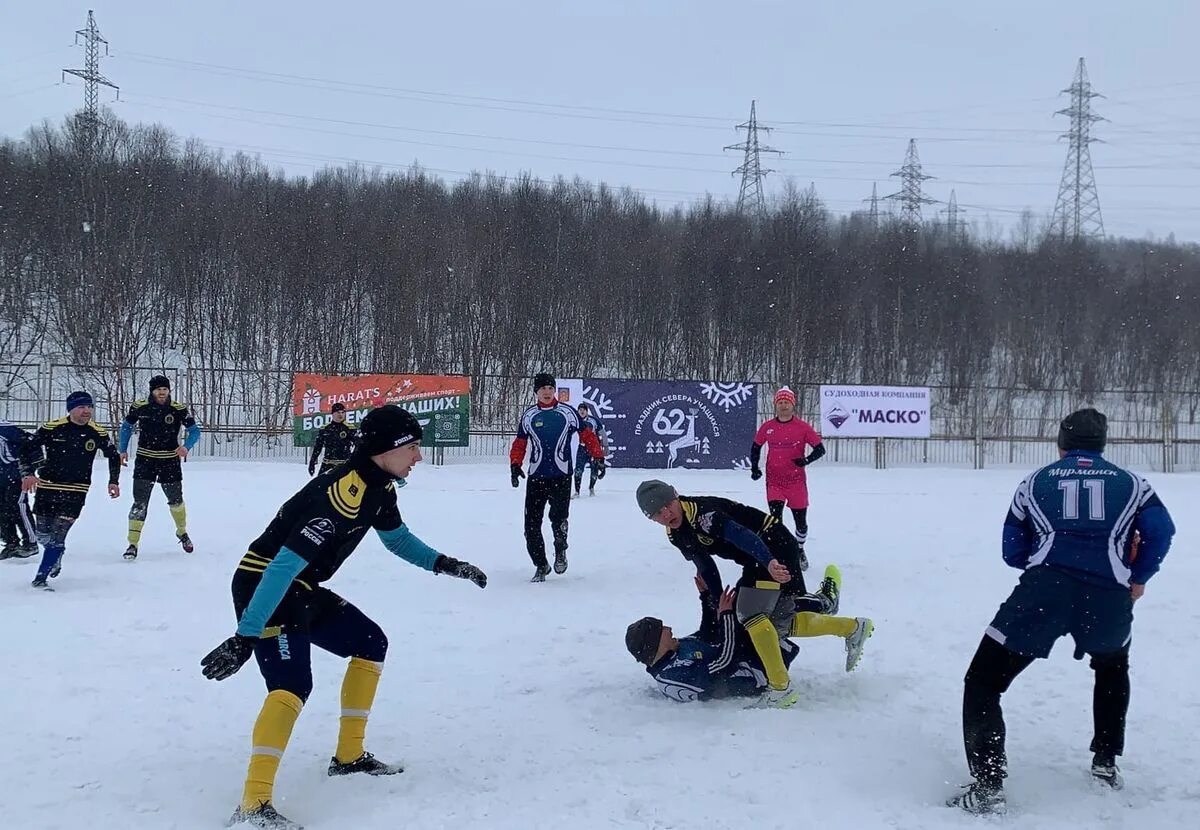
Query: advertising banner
[[874, 412], [442, 403], [671, 424]]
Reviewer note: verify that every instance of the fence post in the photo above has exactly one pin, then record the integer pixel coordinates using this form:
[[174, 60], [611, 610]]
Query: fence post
[[1167, 427], [880, 453], [978, 393]]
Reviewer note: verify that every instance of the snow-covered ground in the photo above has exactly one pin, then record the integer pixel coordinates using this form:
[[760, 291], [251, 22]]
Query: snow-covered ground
[[518, 706]]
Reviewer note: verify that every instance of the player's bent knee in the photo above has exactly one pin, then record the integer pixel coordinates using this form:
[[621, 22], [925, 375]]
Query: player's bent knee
[[374, 645]]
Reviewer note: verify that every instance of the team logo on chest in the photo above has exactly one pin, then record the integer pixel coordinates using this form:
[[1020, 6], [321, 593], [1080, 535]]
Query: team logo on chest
[[90, 446], [170, 419]]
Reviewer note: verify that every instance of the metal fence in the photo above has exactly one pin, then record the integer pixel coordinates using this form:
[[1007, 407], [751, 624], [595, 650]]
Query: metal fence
[[246, 414]]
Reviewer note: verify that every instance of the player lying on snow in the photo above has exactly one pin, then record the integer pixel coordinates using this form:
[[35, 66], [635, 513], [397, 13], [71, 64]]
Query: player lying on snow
[[719, 660], [283, 611], [771, 589]]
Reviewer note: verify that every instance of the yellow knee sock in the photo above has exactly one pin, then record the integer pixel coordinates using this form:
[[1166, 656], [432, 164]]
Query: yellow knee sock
[[135, 530], [179, 514], [271, 733], [358, 693], [811, 624], [766, 643]]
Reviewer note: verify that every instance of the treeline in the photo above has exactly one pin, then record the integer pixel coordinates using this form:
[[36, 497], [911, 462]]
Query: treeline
[[155, 251]]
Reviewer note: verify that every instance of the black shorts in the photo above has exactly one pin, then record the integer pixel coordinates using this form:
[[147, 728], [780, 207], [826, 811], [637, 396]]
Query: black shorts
[[162, 470], [50, 503], [1049, 603], [300, 609]]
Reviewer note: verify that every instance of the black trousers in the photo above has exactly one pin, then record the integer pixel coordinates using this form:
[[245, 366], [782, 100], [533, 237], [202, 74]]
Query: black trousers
[[584, 459], [538, 493], [16, 519], [994, 668]]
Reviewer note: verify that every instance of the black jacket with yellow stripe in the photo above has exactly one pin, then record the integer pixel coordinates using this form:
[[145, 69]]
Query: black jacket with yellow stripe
[[61, 454], [717, 527], [337, 440], [158, 427], [324, 522]]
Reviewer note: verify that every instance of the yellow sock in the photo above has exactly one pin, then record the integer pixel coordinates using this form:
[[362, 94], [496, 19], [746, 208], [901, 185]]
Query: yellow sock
[[179, 514], [766, 643], [358, 693], [811, 624], [135, 530], [271, 733]]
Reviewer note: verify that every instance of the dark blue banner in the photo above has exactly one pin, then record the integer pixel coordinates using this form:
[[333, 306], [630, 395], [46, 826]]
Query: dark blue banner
[[672, 424]]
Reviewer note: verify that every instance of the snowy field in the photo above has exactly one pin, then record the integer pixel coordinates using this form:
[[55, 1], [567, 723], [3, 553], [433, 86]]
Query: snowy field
[[518, 706]]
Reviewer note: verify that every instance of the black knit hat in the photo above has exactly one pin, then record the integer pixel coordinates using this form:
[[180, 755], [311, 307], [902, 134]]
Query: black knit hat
[[543, 379], [642, 639], [1084, 429], [159, 382], [654, 495], [388, 427], [338, 407]]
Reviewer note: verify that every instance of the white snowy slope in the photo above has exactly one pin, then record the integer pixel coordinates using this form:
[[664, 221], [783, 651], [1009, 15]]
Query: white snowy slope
[[518, 706]]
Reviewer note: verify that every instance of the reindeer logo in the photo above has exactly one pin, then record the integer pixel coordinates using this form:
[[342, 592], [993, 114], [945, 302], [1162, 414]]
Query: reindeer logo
[[687, 441]]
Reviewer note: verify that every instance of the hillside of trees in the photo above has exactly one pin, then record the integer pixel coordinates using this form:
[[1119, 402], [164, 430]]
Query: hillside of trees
[[190, 258]]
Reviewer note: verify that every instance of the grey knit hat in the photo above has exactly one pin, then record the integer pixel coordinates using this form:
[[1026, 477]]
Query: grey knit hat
[[654, 495]]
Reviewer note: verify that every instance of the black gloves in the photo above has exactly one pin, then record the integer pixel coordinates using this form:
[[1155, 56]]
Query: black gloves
[[517, 473], [755, 473], [224, 660], [800, 462], [312, 468], [601, 467], [463, 570]]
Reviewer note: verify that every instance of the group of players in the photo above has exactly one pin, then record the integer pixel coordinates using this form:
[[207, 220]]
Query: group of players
[[55, 464], [1086, 533]]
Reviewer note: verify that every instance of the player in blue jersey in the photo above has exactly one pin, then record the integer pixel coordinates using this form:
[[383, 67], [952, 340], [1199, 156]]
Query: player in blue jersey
[[545, 429], [720, 660], [1088, 536], [583, 457]]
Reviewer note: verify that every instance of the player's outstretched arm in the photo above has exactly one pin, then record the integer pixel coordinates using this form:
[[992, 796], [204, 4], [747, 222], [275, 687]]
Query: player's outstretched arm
[[404, 543]]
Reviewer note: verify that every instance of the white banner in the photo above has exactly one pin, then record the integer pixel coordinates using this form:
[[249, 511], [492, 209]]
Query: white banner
[[875, 411]]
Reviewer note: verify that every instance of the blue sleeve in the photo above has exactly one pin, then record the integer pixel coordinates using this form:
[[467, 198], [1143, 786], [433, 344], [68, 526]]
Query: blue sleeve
[[1156, 528], [1018, 542], [193, 437], [124, 436], [709, 573], [404, 543], [275, 581], [746, 540]]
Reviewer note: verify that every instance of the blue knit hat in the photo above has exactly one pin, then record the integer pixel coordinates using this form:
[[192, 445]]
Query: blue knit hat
[[79, 399]]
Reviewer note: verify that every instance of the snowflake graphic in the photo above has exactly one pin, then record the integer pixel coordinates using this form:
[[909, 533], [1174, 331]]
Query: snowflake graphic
[[727, 395], [742, 463], [599, 402]]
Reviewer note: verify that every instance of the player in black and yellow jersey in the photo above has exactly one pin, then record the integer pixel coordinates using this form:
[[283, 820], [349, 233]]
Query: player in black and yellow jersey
[[336, 438], [770, 592], [283, 611], [57, 462], [158, 420]]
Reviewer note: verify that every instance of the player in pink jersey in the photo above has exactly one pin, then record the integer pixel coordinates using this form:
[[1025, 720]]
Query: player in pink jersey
[[788, 438]]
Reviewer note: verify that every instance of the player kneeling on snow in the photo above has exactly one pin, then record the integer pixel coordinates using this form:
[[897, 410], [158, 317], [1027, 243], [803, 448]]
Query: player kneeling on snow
[[719, 661], [283, 611]]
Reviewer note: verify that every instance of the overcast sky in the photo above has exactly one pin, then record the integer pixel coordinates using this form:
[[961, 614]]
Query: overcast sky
[[645, 93]]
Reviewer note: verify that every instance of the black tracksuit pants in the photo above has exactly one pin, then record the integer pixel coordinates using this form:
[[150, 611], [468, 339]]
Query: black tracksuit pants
[[538, 493]]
